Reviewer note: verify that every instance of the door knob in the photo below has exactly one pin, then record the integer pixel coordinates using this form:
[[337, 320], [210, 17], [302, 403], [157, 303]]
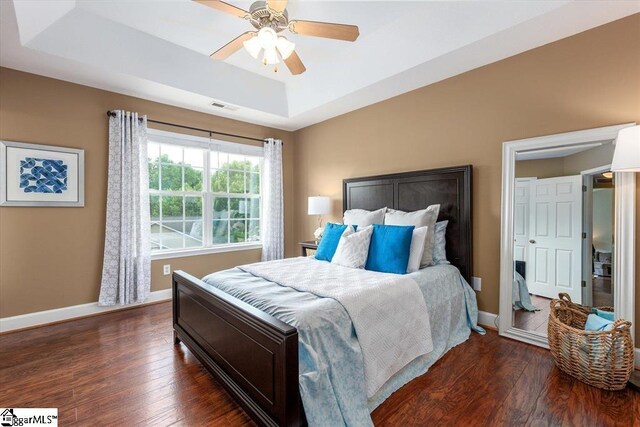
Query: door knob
[[532, 241]]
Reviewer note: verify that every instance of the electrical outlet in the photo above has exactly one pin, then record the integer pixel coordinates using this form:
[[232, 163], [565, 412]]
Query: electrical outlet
[[477, 283], [166, 269]]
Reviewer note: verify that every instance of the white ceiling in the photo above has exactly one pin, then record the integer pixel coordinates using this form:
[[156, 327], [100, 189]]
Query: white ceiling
[[159, 50], [552, 153]]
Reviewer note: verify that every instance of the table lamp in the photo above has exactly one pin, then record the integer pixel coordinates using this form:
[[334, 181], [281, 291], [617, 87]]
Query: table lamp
[[319, 205]]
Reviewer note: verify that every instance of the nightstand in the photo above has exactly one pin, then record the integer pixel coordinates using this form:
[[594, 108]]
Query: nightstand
[[305, 246]]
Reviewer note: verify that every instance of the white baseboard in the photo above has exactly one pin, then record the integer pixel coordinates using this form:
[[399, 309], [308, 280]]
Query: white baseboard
[[59, 314], [487, 319]]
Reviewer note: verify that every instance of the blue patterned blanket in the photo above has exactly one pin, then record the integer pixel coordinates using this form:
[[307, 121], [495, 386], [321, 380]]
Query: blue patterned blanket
[[331, 370]]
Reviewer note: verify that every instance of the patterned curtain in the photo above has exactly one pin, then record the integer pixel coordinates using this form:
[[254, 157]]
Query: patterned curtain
[[272, 205], [126, 271]]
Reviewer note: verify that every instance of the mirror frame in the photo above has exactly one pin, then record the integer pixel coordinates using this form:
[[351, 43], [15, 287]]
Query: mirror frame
[[624, 228]]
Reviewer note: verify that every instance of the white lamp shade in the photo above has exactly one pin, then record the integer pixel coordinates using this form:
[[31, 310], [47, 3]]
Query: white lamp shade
[[285, 47], [319, 205], [253, 46], [626, 157], [270, 56], [267, 37]]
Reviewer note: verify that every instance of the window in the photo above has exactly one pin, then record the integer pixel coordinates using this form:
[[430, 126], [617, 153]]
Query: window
[[202, 194]]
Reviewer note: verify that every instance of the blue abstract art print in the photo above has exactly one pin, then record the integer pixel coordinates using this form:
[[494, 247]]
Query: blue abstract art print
[[43, 175]]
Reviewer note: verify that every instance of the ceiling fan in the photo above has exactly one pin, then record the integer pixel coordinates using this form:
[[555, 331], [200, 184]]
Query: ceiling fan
[[270, 18]]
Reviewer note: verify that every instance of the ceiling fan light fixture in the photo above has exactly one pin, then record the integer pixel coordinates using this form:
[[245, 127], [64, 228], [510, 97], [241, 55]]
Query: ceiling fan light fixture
[[267, 37], [253, 46], [270, 56], [285, 47]]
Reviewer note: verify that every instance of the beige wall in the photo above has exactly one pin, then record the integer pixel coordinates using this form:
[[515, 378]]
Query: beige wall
[[540, 168], [589, 80], [52, 257], [565, 166], [589, 159]]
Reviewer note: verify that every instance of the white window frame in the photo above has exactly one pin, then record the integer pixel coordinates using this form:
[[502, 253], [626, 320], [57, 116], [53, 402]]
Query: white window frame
[[207, 145]]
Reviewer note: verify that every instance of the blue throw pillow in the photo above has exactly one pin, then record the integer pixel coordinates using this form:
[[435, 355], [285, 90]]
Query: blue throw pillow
[[597, 323], [609, 315], [389, 248], [330, 239]]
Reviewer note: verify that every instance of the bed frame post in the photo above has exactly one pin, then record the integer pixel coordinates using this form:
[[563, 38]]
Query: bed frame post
[[174, 309]]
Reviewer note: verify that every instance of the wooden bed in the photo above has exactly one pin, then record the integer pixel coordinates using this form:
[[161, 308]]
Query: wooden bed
[[255, 355]]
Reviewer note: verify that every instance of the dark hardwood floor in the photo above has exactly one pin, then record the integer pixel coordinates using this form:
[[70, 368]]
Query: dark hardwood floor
[[533, 320], [602, 295], [123, 369], [537, 320]]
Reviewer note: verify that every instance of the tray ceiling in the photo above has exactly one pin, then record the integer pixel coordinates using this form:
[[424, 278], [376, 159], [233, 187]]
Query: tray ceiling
[[159, 50]]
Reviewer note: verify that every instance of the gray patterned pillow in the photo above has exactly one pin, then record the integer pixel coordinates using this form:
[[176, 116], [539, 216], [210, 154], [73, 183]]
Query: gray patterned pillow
[[439, 245], [353, 248]]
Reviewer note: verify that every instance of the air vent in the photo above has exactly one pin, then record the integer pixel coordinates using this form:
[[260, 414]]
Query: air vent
[[222, 106]]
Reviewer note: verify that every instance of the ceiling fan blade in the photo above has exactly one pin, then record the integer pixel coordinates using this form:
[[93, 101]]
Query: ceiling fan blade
[[277, 6], [294, 64], [325, 29], [225, 7], [233, 46]]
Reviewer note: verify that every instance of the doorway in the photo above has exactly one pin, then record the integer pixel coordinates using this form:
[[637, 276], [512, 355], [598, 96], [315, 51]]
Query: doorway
[[598, 224], [555, 204]]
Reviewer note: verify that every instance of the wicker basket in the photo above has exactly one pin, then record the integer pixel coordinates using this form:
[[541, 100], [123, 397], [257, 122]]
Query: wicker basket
[[603, 359]]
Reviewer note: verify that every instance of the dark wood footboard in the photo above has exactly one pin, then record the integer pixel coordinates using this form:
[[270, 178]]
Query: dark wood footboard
[[253, 354]]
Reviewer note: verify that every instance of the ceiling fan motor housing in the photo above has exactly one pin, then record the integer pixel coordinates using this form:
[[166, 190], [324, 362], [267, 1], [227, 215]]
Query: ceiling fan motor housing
[[262, 17]]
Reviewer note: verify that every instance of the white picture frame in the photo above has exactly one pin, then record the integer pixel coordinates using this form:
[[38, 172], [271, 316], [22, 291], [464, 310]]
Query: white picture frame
[[41, 175]]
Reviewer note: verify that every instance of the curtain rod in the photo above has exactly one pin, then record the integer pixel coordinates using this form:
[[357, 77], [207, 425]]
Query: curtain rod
[[210, 132]]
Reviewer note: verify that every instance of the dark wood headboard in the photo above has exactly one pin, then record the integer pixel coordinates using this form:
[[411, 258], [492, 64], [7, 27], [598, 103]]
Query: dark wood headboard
[[412, 191]]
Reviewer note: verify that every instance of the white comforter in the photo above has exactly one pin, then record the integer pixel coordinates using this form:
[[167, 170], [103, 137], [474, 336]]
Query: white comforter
[[388, 311]]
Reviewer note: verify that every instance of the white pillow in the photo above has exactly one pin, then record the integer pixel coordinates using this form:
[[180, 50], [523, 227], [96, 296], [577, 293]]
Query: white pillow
[[425, 217], [362, 218], [353, 248], [416, 249]]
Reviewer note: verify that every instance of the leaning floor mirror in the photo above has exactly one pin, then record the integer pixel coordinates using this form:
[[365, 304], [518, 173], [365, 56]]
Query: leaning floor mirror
[[567, 228]]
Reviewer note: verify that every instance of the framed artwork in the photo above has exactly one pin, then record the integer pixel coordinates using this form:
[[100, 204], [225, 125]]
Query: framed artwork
[[41, 175]]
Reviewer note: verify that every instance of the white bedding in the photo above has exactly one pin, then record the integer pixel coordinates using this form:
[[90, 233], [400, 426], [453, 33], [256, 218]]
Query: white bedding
[[388, 311]]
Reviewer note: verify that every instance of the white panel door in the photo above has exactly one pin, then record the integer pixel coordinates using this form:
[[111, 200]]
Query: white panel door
[[521, 219], [555, 237]]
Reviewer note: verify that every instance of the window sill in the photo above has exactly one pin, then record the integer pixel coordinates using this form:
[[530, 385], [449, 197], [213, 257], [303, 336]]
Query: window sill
[[181, 253]]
